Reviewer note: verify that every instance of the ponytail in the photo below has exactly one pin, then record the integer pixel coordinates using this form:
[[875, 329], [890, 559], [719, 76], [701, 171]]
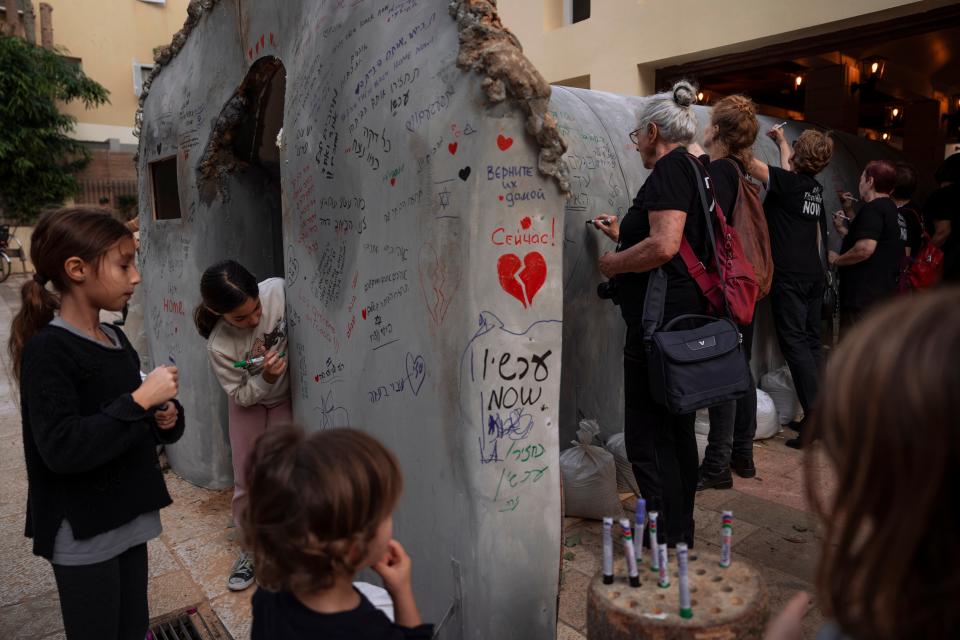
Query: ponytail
[[224, 286], [36, 311], [82, 232], [205, 320]]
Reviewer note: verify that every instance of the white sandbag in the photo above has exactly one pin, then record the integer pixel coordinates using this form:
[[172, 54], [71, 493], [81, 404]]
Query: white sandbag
[[626, 481], [702, 423], [767, 423], [779, 384], [589, 477]]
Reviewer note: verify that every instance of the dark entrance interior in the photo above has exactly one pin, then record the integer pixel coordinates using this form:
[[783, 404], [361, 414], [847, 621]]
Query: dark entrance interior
[[895, 81], [244, 148]]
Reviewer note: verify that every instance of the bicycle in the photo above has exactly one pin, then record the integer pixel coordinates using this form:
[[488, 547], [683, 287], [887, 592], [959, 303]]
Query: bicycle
[[6, 265]]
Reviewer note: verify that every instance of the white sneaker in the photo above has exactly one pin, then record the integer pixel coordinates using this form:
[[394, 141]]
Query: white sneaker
[[241, 575]]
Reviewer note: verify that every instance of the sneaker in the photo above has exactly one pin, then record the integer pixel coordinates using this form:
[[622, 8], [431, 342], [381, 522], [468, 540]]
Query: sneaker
[[715, 480], [743, 466], [241, 576]]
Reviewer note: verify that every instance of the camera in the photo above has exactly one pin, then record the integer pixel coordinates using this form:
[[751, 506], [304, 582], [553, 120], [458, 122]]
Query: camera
[[609, 291]]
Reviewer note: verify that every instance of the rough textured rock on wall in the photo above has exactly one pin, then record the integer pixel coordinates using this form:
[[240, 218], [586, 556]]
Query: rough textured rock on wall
[[490, 49]]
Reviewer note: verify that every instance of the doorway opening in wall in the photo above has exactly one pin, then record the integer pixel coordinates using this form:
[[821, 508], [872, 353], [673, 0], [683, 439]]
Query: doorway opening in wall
[[245, 149]]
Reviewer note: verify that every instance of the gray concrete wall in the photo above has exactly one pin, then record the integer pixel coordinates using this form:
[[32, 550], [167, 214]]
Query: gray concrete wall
[[422, 256]]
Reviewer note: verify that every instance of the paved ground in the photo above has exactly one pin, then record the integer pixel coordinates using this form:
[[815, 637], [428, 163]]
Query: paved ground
[[189, 562]]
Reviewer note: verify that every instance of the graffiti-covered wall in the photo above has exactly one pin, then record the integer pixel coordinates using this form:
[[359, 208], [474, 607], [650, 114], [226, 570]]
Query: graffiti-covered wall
[[375, 155]]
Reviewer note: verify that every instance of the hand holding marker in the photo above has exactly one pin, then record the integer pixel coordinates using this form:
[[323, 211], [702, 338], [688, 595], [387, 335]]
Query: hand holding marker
[[252, 362]]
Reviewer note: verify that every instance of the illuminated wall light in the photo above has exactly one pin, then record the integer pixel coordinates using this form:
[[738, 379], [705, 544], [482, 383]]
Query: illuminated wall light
[[885, 136], [700, 96], [895, 112], [874, 68], [798, 81]]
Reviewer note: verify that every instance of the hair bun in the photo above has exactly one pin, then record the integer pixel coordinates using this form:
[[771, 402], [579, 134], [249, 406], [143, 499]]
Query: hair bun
[[684, 93]]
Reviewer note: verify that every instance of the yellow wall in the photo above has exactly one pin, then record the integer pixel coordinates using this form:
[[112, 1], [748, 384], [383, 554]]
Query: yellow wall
[[624, 41], [108, 35]]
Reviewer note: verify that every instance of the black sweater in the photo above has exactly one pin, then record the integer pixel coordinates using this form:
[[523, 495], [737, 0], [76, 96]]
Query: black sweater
[[90, 449]]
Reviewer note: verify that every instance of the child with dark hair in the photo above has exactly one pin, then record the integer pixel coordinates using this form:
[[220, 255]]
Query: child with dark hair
[[319, 510], [887, 565], [90, 424], [246, 331]]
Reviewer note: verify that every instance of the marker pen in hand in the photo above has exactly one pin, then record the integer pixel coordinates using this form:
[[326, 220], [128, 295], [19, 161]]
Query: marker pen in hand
[[254, 361], [604, 222]]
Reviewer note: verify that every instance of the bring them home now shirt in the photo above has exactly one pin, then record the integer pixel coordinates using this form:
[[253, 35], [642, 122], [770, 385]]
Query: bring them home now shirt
[[793, 206]]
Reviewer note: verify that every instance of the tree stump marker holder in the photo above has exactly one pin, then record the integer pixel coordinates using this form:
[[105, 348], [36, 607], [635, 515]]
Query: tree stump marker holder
[[728, 604]]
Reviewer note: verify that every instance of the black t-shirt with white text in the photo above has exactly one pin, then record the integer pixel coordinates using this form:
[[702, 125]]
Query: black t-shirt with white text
[[280, 616], [671, 186], [793, 206], [865, 283]]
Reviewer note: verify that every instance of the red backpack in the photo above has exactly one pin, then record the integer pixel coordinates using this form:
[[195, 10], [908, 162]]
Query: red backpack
[[730, 286], [925, 268]]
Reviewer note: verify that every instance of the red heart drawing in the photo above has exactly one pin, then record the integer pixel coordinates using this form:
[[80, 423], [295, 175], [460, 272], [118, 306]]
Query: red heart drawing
[[504, 142], [525, 223], [452, 147], [501, 198], [364, 314], [316, 378], [393, 181], [522, 283]]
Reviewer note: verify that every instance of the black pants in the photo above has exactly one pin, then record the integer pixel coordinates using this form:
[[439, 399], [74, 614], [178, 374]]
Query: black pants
[[797, 305], [107, 600], [733, 424], [661, 446]]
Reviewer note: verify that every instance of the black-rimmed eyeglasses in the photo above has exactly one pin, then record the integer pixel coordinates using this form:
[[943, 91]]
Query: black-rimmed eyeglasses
[[635, 137]]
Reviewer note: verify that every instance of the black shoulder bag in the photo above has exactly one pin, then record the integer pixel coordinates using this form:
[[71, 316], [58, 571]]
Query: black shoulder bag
[[695, 368]]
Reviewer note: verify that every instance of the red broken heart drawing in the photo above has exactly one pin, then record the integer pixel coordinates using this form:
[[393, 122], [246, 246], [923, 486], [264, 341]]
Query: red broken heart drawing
[[503, 142], [393, 181], [452, 147], [522, 280]]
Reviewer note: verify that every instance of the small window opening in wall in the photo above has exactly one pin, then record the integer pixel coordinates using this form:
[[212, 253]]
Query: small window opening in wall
[[166, 191], [140, 74], [576, 10]]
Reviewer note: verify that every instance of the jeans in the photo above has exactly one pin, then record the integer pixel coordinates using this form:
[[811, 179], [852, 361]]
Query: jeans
[[106, 600], [661, 446], [733, 424], [797, 305]]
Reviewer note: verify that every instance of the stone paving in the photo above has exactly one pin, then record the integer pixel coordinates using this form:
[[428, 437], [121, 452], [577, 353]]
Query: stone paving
[[189, 562]]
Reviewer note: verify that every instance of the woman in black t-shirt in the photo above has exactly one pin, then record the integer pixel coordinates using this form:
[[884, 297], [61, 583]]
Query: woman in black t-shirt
[[794, 208], [870, 258], [660, 445], [729, 138]]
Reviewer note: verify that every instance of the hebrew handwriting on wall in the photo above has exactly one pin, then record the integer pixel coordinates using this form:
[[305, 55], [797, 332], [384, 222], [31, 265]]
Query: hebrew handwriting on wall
[[422, 254], [502, 397]]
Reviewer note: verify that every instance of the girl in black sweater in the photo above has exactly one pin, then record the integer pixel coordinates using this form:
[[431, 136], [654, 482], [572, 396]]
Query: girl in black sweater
[[90, 426]]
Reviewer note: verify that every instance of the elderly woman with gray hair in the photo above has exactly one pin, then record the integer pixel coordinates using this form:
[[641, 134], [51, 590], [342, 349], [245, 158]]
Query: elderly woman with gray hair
[[660, 445]]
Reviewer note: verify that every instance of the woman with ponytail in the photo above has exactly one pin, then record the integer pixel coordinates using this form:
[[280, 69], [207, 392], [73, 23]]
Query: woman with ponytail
[[246, 331], [729, 139], [90, 424]]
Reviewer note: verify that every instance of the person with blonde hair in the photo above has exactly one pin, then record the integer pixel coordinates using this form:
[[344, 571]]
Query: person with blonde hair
[[661, 445], [795, 218], [729, 139]]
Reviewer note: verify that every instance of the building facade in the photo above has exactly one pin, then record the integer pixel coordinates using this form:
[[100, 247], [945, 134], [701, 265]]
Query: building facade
[[881, 69]]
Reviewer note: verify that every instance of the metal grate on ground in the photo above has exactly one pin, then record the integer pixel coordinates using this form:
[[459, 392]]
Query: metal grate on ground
[[197, 622]]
